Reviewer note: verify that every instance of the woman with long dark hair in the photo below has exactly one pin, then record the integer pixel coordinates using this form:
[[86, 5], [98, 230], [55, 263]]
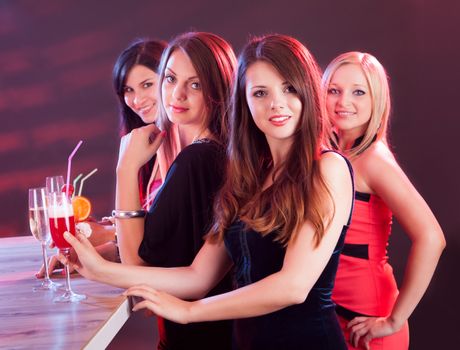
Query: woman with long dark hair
[[135, 81]]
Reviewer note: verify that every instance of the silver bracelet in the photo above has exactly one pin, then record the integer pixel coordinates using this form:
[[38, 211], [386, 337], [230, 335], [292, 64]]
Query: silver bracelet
[[128, 214]]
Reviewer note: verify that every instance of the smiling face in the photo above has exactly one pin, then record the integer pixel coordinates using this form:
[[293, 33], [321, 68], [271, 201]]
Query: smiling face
[[141, 92], [349, 103], [181, 91], [274, 104]]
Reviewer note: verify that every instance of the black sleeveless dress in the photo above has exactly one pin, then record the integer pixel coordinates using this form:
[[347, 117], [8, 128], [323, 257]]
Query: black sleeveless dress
[[310, 325], [174, 227]]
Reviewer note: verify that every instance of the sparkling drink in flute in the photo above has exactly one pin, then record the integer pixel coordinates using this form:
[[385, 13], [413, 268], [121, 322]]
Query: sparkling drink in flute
[[39, 227], [61, 219], [38, 223]]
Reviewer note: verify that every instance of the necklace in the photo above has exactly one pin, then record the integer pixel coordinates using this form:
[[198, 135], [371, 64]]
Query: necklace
[[203, 137], [202, 140]]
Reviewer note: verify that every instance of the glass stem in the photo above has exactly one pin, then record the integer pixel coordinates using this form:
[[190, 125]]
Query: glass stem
[[45, 262], [66, 253]]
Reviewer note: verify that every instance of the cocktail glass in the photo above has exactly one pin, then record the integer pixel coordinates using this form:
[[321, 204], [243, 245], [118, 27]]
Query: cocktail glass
[[61, 219], [39, 227]]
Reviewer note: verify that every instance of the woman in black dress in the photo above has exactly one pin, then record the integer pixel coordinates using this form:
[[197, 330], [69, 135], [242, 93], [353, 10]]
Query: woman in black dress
[[195, 80], [280, 218]]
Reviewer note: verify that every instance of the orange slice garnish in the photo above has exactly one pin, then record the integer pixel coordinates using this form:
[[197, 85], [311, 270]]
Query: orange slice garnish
[[81, 208]]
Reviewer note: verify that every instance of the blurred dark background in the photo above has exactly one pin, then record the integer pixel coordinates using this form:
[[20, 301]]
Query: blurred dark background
[[56, 59]]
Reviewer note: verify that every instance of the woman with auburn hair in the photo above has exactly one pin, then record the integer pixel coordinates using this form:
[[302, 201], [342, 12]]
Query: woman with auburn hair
[[196, 77], [372, 312], [280, 218]]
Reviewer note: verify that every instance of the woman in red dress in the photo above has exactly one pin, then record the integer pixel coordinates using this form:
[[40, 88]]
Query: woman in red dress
[[372, 312]]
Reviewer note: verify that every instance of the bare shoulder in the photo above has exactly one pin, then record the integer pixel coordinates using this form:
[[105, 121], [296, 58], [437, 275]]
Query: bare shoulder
[[334, 167], [377, 159], [380, 170], [336, 173], [332, 160]]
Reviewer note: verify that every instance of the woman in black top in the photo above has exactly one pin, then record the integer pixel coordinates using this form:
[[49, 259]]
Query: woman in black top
[[196, 75]]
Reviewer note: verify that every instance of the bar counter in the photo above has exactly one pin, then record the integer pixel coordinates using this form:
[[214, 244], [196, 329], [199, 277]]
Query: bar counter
[[31, 320]]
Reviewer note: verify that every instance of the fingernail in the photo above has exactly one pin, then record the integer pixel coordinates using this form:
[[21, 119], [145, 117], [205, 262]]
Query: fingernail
[[163, 133], [66, 234]]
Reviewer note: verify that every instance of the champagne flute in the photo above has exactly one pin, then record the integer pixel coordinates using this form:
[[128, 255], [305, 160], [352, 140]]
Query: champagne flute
[[39, 226], [61, 219], [54, 183]]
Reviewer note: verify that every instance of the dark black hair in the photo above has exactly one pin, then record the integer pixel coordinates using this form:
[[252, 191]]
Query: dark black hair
[[146, 53], [143, 52]]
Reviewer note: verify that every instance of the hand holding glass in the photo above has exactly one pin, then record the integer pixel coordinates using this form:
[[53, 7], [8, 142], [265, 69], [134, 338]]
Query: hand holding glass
[[39, 226], [61, 219]]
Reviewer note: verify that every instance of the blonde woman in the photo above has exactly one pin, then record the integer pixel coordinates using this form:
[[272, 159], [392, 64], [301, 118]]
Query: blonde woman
[[372, 312]]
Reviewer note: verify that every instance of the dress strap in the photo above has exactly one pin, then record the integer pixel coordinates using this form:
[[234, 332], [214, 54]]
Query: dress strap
[[350, 169], [150, 195]]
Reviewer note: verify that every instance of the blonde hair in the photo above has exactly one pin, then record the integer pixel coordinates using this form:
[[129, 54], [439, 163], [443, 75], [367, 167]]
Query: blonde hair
[[377, 80]]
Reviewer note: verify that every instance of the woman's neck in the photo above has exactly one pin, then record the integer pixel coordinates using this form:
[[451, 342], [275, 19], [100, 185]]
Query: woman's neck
[[347, 139], [279, 150], [188, 134]]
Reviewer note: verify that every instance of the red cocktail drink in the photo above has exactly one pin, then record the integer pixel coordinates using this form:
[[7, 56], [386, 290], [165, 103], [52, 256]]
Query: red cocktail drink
[[60, 213], [58, 225]]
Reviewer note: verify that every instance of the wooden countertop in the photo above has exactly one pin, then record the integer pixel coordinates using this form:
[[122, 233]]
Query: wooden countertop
[[31, 319]]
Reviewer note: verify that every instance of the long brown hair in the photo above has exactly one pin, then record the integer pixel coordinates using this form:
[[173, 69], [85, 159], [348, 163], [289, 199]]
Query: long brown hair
[[215, 63], [298, 192]]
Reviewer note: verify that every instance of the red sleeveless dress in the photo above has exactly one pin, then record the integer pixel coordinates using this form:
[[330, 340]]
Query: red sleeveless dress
[[365, 284]]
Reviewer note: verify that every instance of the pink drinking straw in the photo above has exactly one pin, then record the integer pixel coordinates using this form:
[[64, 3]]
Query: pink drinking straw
[[69, 166]]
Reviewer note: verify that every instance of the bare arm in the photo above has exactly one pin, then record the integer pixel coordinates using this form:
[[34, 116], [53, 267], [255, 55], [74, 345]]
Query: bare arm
[[189, 282], [129, 231], [135, 151], [101, 234], [102, 237], [302, 266], [389, 182]]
